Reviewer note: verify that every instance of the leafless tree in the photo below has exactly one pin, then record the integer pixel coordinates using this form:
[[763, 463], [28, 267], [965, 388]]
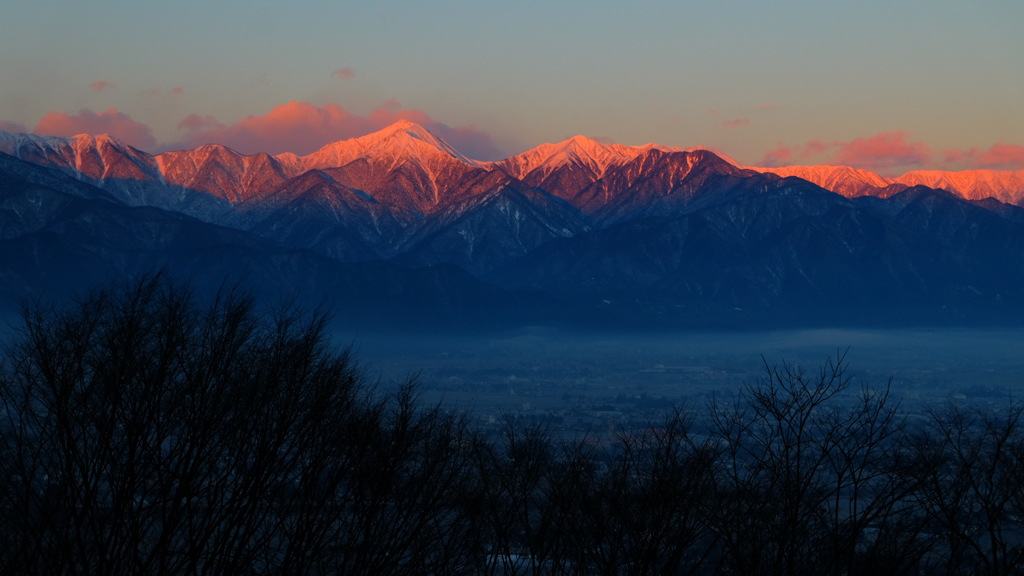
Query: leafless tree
[[520, 521], [639, 504], [974, 488], [146, 433], [144, 430], [804, 483]]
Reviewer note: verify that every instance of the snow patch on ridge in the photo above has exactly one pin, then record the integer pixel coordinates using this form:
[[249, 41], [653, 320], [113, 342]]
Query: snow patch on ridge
[[583, 152], [215, 169], [400, 142], [1004, 186]]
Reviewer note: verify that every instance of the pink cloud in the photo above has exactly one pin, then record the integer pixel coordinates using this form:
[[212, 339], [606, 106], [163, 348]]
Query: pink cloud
[[345, 73], [177, 91], [735, 123], [881, 151], [780, 156], [391, 105], [889, 150], [12, 127], [101, 85], [711, 112], [815, 147], [954, 156], [301, 128], [117, 124], [195, 122], [1000, 156], [1005, 156]]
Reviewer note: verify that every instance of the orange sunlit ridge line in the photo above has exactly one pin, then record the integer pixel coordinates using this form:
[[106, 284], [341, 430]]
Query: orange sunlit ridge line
[[417, 141], [302, 128]]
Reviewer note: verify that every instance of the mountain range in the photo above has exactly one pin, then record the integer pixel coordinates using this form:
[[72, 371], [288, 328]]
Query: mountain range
[[399, 225]]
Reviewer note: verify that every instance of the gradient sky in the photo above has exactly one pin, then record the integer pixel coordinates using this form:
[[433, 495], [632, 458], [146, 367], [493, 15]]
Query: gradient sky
[[885, 85]]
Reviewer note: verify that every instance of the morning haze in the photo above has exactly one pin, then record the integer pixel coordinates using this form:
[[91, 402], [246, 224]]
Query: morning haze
[[547, 372]]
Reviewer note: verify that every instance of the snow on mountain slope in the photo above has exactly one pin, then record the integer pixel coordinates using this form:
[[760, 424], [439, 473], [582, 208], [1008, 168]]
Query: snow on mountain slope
[[405, 164], [659, 183], [1006, 187], [397, 143], [222, 172], [568, 168], [843, 180], [404, 151], [580, 152], [129, 175], [91, 157]]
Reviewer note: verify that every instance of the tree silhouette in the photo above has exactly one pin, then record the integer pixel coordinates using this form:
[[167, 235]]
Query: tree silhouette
[[973, 487], [801, 483], [145, 430], [146, 433]]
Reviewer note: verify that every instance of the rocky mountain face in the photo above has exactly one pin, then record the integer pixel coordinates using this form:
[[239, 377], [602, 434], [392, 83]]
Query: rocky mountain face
[[1005, 186], [797, 251], [580, 229], [60, 236]]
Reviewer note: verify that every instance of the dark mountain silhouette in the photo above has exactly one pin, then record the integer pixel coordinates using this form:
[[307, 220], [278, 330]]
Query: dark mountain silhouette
[[400, 221]]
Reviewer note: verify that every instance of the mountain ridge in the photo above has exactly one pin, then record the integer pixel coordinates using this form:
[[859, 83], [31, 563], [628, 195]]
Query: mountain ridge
[[645, 235], [1005, 186], [219, 171]]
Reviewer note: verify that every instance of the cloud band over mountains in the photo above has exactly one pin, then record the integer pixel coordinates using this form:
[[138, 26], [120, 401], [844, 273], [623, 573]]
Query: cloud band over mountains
[[888, 150], [297, 127], [302, 128], [110, 121]]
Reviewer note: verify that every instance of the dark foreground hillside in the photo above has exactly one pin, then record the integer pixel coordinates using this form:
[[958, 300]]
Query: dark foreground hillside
[[147, 431]]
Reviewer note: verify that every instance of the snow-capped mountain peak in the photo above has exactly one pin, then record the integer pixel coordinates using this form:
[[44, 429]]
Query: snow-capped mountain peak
[[843, 180], [399, 142], [578, 151], [1004, 186], [563, 168], [93, 157], [588, 153]]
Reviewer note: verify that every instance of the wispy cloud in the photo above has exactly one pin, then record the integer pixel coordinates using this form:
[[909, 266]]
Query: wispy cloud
[[1010, 156], [101, 85], [12, 127], [735, 123], [298, 127], [117, 124], [345, 73], [177, 91], [882, 151], [886, 151], [999, 156], [778, 156], [195, 122], [302, 127]]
